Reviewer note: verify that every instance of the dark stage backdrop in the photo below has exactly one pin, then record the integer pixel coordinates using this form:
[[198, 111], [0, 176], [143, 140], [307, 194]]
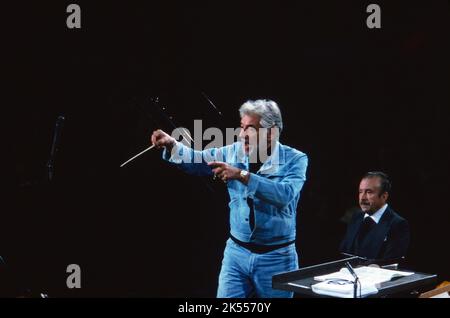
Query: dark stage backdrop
[[352, 98]]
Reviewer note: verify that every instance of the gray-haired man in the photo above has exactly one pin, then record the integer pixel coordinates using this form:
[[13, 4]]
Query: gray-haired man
[[264, 191]]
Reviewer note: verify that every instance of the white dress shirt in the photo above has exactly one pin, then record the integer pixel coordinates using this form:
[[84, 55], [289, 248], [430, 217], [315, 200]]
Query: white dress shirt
[[378, 214]]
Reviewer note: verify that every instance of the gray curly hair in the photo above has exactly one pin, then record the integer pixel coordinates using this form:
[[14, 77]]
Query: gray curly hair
[[266, 109]]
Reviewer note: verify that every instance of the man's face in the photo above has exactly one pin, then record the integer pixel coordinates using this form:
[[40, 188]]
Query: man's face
[[370, 199], [249, 132]]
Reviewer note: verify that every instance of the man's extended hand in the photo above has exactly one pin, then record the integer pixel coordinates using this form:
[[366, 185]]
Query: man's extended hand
[[161, 139], [225, 171]]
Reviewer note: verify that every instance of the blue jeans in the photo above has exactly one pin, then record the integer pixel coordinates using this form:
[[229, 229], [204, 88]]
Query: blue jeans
[[245, 274]]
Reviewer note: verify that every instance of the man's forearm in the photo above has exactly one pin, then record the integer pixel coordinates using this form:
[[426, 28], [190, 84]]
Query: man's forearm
[[278, 193]]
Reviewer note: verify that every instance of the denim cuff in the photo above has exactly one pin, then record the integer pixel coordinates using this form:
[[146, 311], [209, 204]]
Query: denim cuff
[[252, 185], [171, 156]]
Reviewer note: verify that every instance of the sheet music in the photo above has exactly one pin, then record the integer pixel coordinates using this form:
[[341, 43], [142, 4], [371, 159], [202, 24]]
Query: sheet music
[[341, 283], [366, 274], [343, 288]]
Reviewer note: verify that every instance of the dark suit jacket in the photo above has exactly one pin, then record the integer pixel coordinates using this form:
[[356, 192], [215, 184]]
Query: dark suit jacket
[[388, 239]]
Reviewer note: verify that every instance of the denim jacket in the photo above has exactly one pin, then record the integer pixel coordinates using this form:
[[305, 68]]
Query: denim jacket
[[275, 189]]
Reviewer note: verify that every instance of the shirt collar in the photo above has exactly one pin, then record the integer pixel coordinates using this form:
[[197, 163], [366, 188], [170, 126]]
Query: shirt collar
[[378, 214]]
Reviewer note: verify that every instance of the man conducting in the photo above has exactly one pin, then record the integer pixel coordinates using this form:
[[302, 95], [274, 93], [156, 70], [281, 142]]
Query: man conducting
[[264, 179]]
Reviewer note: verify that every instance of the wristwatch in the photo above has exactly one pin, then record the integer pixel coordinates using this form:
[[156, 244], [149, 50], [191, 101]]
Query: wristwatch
[[244, 173]]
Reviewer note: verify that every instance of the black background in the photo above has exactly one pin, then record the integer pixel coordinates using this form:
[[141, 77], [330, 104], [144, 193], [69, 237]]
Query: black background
[[352, 98]]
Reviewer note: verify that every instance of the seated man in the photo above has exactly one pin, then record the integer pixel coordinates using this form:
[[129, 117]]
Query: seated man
[[377, 232]]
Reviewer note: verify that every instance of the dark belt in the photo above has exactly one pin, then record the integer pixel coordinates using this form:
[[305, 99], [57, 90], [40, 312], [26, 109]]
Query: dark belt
[[259, 249]]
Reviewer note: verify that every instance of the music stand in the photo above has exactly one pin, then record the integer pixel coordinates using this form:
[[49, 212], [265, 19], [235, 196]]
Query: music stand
[[300, 281]]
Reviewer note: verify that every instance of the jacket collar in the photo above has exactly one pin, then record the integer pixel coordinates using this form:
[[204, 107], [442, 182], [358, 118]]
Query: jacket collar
[[277, 158]]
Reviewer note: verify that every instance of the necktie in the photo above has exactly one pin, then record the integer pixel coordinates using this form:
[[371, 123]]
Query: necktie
[[367, 224], [253, 168]]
